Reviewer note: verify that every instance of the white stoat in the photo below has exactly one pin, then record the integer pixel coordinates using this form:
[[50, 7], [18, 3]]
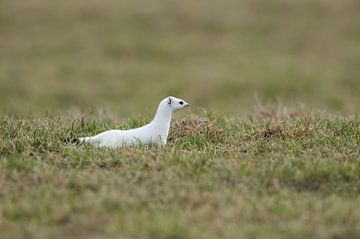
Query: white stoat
[[155, 132]]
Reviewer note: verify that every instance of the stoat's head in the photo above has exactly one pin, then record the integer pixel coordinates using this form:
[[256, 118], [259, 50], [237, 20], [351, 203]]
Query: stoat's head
[[175, 104]]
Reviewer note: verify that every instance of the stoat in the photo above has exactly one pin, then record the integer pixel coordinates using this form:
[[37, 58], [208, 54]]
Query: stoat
[[154, 133]]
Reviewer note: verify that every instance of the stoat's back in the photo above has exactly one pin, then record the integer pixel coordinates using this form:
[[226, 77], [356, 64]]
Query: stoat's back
[[132, 137]]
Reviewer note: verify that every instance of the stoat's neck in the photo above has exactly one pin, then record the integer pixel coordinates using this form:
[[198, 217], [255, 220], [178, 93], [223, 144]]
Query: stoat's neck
[[162, 118]]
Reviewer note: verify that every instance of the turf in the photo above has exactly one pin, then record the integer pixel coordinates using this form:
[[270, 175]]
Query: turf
[[271, 176], [270, 147], [123, 55]]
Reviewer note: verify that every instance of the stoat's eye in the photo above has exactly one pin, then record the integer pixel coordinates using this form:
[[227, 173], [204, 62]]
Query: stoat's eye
[[181, 102]]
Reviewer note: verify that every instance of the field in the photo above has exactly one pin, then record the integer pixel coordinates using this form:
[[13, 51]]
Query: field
[[270, 147]]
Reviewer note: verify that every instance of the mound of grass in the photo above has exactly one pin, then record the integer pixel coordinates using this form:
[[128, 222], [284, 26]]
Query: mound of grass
[[267, 175]]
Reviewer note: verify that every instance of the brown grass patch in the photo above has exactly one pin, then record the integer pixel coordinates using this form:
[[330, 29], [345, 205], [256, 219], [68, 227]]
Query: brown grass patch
[[197, 127]]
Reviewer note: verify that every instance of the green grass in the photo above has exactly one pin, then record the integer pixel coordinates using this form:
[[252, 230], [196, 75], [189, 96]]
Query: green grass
[[276, 153], [123, 55], [276, 177]]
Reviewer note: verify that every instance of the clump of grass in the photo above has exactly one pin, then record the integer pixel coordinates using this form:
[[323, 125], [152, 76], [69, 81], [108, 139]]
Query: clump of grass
[[197, 132]]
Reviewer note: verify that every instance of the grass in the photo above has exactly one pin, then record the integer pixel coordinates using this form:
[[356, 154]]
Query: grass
[[288, 169], [265, 176], [83, 54]]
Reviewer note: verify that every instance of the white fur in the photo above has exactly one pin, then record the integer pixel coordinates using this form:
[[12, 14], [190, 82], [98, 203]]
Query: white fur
[[155, 133]]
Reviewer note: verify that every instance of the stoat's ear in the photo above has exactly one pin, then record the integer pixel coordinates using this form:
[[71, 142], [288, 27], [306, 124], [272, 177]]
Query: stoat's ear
[[169, 100]]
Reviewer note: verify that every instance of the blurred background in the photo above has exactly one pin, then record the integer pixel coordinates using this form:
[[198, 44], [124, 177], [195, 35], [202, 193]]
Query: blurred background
[[222, 55]]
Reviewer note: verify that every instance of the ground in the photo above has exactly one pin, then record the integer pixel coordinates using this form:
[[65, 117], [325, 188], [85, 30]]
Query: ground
[[270, 147]]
